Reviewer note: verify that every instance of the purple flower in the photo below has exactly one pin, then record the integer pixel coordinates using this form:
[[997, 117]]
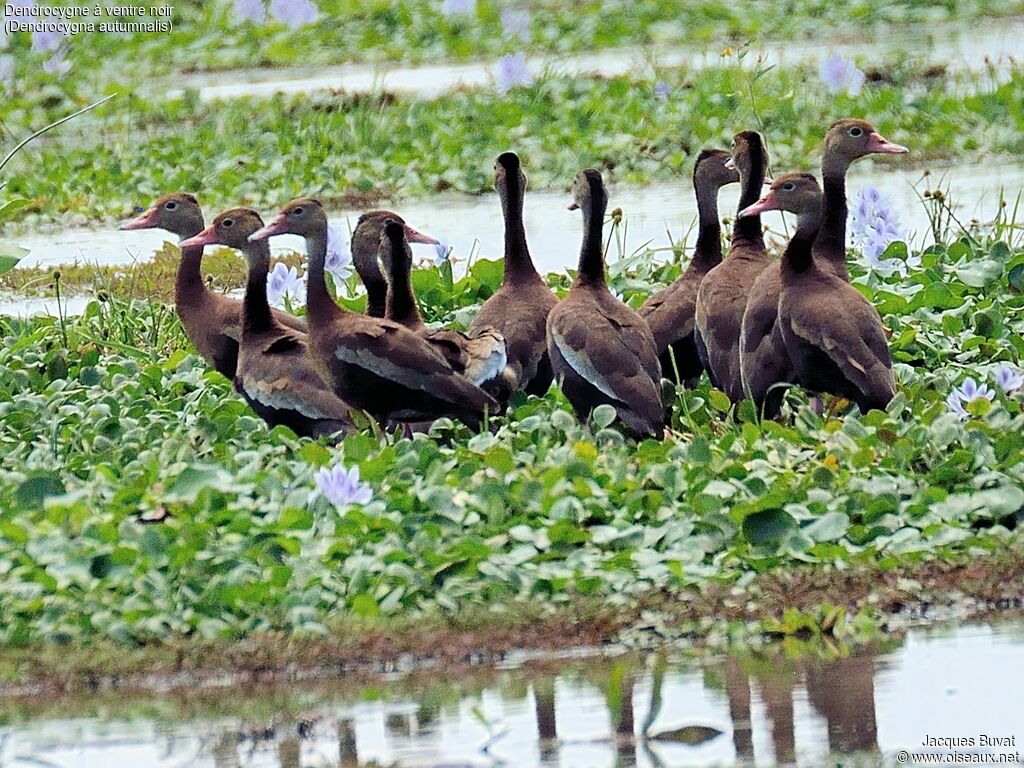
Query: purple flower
[[250, 10], [56, 64], [662, 91], [44, 41], [840, 75], [6, 71], [339, 259], [874, 225], [960, 399], [443, 252], [451, 8], [294, 13], [285, 286], [342, 486], [516, 23], [1008, 378], [511, 72]]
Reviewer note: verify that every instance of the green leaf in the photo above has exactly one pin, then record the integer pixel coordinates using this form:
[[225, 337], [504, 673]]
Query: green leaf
[[719, 400], [10, 255], [768, 528], [829, 527], [32, 493]]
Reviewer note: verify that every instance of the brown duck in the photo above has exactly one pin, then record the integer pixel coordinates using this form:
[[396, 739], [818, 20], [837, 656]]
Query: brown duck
[[764, 361], [274, 373], [833, 335], [480, 357], [519, 309], [723, 293], [670, 312], [374, 364], [601, 350], [365, 248], [763, 358], [211, 321]]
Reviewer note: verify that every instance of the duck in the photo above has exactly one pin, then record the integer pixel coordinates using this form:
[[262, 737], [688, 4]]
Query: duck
[[833, 335], [274, 373], [365, 248], [670, 312], [519, 309], [763, 358], [722, 296], [764, 361], [479, 356], [212, 322], [374, 364], [602, 352]]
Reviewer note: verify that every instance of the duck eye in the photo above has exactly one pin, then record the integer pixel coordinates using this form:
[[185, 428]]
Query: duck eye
[[789, 186], [170, 205], [227, 223], [297, 211], [856, 131]]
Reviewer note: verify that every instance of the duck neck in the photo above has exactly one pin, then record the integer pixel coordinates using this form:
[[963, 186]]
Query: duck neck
[[797, 256], [708, 251], [189, 285], [518, 263], [376, 296], [831, 242], [746, 230], [401, 302], [320, 305], [256, 317], [591, 266]]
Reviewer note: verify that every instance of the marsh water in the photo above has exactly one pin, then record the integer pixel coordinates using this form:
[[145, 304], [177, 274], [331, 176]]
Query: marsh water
[[987, 48], [573, 710], [655, 216]]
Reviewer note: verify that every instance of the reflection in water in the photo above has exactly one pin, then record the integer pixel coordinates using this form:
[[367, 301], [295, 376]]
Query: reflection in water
[[628, 711], [843, 691]]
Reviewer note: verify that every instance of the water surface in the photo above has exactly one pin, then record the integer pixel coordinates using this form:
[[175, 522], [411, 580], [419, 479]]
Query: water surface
[[760, 708]]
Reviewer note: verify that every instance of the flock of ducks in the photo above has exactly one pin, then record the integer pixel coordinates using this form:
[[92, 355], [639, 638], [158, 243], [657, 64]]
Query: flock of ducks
[[754, 324]]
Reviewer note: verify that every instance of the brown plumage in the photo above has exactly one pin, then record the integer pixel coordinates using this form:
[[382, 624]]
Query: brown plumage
[[723, 293], [211, 321], [274, 373], [670, 312], [519, 309], [479, 356], [763, 357], [373, 364], [365, 248], [764, 361], [602, 352], [833, 335]]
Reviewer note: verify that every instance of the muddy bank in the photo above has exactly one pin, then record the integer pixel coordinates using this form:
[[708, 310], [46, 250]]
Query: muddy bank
[[897, 598]]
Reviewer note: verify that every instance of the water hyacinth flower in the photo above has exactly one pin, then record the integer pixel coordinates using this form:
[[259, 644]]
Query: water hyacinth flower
[[56, 64], [294, 13], [511, 72], [6, 71], [451, 8], [253, 11], [442, 252], [515, 22], [45, 41], [841, 75], [968, 392], [284, 285], [874, 225], [342, 486], [1008, 379], [338, 263], [662, 91]]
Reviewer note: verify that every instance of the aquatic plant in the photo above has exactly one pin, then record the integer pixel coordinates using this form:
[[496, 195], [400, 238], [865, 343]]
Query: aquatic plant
[[962, 398], [338, 263], [294, 13], [342, 487], [254, 11], [285, 286], [1008, 379], [451, 8], [511, 72], [515, 22], [841, 75]]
